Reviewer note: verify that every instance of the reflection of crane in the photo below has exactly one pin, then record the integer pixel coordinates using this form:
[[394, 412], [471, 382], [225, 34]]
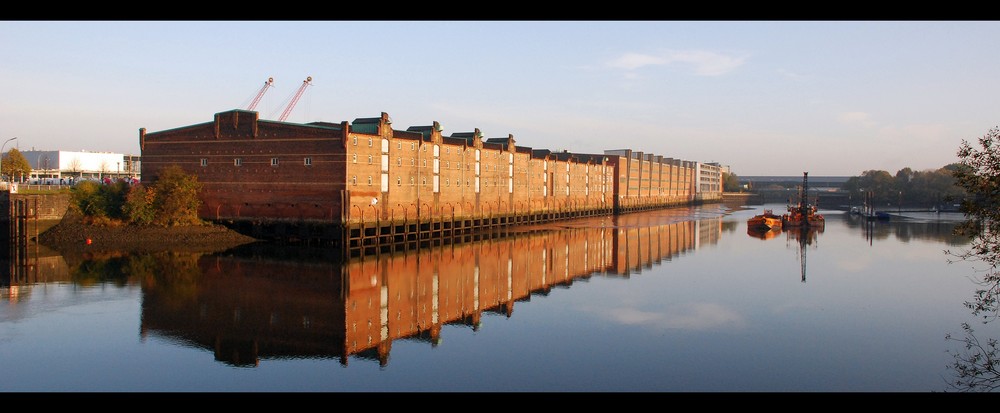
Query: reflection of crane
[[260, 94], [805, 237], [802, 253], [295, 99]]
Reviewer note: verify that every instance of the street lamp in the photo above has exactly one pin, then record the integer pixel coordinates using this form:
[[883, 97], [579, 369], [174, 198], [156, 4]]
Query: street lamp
[[1, 156]]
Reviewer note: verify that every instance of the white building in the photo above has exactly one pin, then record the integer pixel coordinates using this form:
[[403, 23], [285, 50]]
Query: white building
[[709, 177], [51, 166]]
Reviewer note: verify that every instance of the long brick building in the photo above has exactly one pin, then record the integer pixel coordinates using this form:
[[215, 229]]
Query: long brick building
[[368, 183]]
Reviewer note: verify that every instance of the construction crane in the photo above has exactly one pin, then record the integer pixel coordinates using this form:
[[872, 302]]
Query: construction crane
[[260, 94], [295, 99]]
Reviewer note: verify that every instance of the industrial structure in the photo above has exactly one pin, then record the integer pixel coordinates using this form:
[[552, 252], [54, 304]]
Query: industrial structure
[[365, 184]]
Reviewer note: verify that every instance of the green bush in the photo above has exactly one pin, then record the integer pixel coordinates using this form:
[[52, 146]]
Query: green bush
[[86, 198], [172, 200], [138, 207], [176, 199]]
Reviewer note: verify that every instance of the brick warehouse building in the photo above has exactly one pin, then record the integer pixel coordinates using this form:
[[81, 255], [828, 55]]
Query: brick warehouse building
[[365, 183]]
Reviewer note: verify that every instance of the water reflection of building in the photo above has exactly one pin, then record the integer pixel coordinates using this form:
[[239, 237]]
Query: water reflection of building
[[18, 279], [247, 306]]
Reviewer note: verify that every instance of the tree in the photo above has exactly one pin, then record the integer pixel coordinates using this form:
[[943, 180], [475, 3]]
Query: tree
[[902, 183], [978, 173], [731, 183], [171, 201], [879, 183], [15, 165], [139, 205], [76, 167], [933, 189], [176, 199]]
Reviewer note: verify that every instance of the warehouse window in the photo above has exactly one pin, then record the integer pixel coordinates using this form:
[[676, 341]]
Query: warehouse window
[[354, 158], [274, 161], [369, 159], [204, 161], [238, 161], [413, 146], [355, 140], [354, 180], [399, 145], [411, 181], [308, 161], [369, 142], [369, 180], [399, 161], [399, 181]]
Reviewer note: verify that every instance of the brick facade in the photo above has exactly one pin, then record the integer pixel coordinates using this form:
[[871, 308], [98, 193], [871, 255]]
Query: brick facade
[[367, 173]]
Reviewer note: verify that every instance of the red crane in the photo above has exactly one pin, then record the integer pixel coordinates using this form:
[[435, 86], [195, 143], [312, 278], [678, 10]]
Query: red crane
[[260, 94], [295, 99]]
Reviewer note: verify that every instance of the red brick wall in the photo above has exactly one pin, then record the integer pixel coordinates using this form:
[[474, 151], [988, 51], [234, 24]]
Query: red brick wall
[[328, 173], [250, 168]]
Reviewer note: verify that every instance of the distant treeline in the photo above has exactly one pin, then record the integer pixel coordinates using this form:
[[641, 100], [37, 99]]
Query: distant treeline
[[929, 188]]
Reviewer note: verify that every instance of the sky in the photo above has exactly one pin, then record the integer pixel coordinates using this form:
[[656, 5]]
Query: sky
[[831, 98]]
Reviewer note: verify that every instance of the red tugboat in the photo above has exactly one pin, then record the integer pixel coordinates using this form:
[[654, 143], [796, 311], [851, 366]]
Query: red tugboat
[[803, 215]]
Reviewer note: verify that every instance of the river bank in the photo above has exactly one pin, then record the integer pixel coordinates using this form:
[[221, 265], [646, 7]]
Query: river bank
[[71, 233]]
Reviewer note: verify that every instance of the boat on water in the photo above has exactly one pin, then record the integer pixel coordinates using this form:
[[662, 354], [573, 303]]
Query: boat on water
[[764, 222], [803, 214], [868, 211]]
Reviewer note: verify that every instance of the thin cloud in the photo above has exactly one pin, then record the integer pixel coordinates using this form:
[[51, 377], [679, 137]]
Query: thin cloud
[[632, 61], [703, 63], [791, 75], [856, 118]]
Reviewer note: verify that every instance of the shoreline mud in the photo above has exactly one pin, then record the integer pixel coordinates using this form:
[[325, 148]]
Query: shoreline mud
[[72, 234]]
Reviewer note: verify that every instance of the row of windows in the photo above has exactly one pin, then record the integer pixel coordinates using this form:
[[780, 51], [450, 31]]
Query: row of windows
[[308, 162], [423, 181], [399, 145], [413, 146], [274, 161], [447, 164]]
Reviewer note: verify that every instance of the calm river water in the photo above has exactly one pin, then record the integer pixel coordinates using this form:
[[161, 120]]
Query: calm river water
[[676, 300]]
